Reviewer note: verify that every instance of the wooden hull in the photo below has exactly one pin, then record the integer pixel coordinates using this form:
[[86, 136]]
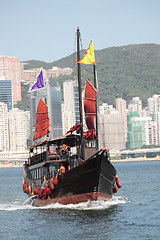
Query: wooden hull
[[74, 199], [90, 181]]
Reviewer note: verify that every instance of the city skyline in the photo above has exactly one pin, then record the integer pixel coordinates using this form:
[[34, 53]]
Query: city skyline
[[142, 124], [46, 30]]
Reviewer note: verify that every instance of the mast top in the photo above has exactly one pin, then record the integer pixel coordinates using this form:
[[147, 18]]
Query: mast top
[[78, 32]]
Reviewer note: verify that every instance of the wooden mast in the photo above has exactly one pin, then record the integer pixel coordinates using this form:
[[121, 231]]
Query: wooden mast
[[80, 94], [96, 87]]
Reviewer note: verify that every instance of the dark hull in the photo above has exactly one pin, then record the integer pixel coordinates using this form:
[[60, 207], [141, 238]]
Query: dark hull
[[92, 180]]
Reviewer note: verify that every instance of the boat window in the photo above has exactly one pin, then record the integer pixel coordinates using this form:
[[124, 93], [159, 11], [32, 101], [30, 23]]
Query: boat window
[[91, 144], [40, 172], [52, 170], [45, 171], [44, 148], [37, 174], [32, 174]]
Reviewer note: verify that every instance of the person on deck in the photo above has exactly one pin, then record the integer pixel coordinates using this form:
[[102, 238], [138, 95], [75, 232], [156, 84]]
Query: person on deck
[[64, 151], [64, 148], [62, 169]]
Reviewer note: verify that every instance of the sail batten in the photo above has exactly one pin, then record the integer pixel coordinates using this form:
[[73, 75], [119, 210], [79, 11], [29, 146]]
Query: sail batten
[[42, 121], [41, 129], [41, 113]]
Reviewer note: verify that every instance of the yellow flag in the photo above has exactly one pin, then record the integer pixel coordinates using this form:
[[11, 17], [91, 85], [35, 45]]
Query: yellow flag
[[88, 57]]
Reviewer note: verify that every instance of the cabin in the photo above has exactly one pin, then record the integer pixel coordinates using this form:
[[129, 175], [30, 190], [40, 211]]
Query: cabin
[[47, 157]]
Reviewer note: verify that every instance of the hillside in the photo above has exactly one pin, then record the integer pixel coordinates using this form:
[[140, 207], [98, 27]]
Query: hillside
[[126, 71]]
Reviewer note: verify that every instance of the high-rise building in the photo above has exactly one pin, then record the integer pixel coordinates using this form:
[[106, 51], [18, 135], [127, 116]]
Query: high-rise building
[[154, 104], [121, 107], [4, 130], [14, 129], [152, 134], [105, 108], [35, 96], [11, 69], [111, 130], [71, 104], [6, 92], [51, 96], [135, 106], [154, 112], [151, 105], [137, 130], [18, 122], [156, 121], [54, 107]]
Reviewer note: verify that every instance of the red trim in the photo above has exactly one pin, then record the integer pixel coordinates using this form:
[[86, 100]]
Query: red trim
[[75, 199]]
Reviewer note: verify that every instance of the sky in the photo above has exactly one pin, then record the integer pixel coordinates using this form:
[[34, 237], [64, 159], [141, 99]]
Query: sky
[[45, 30]]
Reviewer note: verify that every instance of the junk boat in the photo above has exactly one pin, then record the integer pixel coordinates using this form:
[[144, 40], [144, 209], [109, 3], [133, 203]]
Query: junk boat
[[70, 169]]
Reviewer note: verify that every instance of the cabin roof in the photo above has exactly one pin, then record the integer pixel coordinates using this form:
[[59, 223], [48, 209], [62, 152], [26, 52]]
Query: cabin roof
[[70, 140]]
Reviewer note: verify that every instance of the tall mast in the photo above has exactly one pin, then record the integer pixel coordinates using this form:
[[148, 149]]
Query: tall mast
[[80, 94], [95, 86]]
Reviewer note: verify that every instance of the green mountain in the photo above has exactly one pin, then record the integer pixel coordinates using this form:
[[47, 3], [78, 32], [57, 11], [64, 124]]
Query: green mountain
[[127, 71]]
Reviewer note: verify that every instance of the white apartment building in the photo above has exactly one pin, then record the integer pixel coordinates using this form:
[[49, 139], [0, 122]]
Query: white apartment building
[[68, 121], [4, 133], [135, 106], [111, 130], [18, 129], [71, 105], [105, 108], [121, 107], [154, 104]]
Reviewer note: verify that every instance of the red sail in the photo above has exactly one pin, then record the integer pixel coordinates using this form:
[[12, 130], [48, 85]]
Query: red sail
[[90, 110], [42, 121]]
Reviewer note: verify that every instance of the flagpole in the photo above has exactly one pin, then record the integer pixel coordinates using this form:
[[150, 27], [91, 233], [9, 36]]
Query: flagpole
[[95, 85], [80, 95]]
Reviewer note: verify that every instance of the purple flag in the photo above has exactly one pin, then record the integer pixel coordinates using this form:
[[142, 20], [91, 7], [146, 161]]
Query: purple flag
[[40, 83]]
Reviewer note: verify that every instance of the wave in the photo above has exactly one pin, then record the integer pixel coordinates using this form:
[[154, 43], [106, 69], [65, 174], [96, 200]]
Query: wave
[[90, 205]]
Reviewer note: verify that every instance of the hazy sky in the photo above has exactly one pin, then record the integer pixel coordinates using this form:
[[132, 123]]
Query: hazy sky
[[45, 30]]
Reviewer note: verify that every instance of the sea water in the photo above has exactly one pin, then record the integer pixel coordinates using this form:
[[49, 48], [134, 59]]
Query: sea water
[[133, 213]]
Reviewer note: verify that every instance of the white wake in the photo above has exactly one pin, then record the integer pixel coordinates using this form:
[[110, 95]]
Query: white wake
[[90, 205]]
